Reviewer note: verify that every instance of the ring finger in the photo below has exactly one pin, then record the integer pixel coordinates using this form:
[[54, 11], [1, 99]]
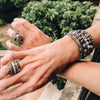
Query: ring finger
[[9, 81], [9, 70], [20, 28], [21, 77]]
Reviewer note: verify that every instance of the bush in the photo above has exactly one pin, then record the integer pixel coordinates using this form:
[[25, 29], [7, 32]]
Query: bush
[[2, 47], [96, 2], [59, 82], [2, 22], [10, 9], [57, 18], [6, 5], [19, 3]]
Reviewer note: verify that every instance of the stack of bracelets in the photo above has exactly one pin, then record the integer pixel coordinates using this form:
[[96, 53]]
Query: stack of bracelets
[[84, 41]]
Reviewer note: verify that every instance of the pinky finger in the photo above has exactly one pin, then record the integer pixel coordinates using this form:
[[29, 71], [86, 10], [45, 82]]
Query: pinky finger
[[12, 46]]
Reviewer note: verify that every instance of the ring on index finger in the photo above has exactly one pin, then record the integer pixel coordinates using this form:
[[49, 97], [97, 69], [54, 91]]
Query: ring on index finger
[[14, 67], [18, 38]]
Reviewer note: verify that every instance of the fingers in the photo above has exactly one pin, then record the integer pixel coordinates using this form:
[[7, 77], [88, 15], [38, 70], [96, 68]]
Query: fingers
[[21, 25], [9, 81], [16, 92], [26, 87], [12, 46], [20, 28], [3, 72], [12, 56], [25, 23], [21, 89], [21, 77], [10, 32]]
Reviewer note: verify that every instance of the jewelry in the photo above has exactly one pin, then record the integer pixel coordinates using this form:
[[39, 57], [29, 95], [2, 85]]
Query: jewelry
[[14, 67], [84, 41], [18, 38]]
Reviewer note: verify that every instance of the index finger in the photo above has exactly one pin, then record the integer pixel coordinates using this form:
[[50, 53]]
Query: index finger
[[12, 56]]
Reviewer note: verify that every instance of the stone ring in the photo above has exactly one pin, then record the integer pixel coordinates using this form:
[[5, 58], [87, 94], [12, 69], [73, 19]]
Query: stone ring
[[18, 38], [14, 67]]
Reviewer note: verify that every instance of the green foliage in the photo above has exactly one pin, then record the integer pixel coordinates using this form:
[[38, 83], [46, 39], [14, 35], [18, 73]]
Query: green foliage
[[2, 47], [19, 3], [9, 4], [59, 81], [10, 9], [2, 22], [57, 18], [16, 43]]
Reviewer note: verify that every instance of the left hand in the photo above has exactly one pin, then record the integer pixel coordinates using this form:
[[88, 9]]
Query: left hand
[[33, 36], [38, 66]]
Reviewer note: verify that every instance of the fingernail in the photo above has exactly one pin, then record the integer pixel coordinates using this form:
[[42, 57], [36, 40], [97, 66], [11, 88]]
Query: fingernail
[[14, 23], [9, 30]]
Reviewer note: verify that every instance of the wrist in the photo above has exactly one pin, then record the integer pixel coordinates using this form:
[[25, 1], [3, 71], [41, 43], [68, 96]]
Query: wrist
[[70, 48], [73, 49]]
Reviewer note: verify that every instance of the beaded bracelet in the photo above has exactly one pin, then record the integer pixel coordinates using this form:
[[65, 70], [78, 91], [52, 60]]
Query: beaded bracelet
[[84, 41]]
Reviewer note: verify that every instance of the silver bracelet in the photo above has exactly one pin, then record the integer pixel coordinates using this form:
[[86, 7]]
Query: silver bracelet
[[84, 41]]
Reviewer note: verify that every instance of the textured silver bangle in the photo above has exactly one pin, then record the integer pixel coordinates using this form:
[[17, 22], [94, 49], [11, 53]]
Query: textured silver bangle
[[84, 41]]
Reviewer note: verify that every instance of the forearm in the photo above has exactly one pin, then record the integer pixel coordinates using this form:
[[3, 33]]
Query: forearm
[[86, 74], [95, 32]]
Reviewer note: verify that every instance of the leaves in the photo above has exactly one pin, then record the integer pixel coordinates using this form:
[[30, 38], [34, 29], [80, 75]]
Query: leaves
[[2, 47], [57, 18], [2, 22], [59, 81], [19, 3]]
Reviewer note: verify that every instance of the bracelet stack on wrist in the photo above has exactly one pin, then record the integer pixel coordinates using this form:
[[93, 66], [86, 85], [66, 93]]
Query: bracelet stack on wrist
[[84, 41]]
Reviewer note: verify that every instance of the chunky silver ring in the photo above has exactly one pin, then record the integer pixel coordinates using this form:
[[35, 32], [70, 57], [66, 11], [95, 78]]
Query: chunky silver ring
[[14, 67], [18, 38]]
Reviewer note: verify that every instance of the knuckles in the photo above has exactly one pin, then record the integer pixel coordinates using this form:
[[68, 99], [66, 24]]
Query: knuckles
[[15, 25], [9, 56], [24, 22], [12, 54]]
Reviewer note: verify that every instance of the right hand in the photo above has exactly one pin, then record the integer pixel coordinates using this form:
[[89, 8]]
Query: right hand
[[33, 36], [38, 66]]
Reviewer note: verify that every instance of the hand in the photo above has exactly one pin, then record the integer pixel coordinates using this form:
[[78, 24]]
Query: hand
[[33, 36], [38, 66]]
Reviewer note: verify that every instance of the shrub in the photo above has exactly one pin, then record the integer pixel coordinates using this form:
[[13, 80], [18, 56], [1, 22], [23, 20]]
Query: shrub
[[96, 2], [6, 5], [19, 3], [59, 82], [2, 22], [2, 47], [10, 9], [57, 18]]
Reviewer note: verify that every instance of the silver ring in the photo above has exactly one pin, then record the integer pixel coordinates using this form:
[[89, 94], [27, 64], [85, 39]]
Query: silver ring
[[14, 67], [18, 38]]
